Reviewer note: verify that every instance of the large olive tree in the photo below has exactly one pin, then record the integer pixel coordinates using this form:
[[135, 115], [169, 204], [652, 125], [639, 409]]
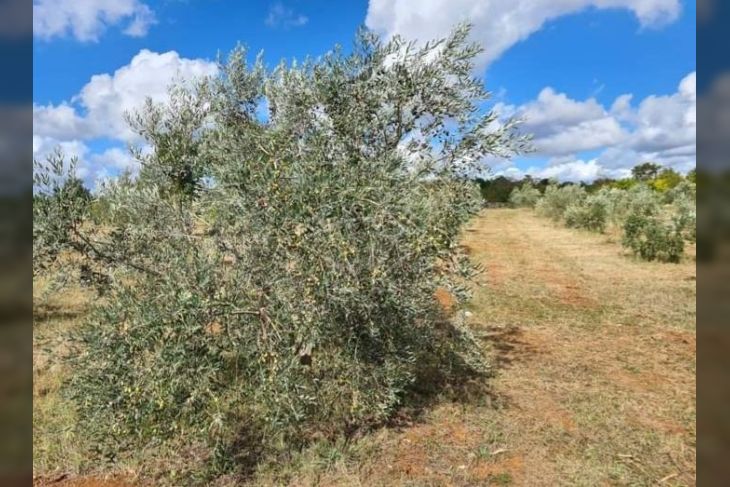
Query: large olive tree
[[271, 272]]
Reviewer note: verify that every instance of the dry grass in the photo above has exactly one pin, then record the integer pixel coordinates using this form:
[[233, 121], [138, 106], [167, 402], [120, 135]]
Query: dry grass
[[594, 354], [55, 446], [597, 352]]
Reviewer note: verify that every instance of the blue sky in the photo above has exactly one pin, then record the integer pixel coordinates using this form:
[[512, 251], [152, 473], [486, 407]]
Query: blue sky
[[601, 89]]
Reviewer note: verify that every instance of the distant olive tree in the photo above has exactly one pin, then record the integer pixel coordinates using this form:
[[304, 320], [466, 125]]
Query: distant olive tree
[[590, 213], [651, 238], [645, 171], [60, 203], [524, 196], [272, 269], [650, 228], [557, 199]]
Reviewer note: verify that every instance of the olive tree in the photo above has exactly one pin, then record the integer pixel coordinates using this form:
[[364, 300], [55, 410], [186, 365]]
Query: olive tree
[[524, 196], [590, 213], [556, 199], [272, 269]]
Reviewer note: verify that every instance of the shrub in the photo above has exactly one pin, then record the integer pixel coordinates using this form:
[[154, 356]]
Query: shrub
[[652, 239], [639, 199], [666, 180], [590, 214], [59, 207], [651, 229], [556, 200], [273, 280], [524, 196], [685, 216], [623, 184], [685, 189]]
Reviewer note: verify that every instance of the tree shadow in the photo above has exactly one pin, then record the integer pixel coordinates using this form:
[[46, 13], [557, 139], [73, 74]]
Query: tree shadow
[[444, 377], [459, 383], [508, 345], [46, 312]]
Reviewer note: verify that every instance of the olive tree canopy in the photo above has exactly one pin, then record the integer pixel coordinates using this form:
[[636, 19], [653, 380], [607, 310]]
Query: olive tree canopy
[[270, 274]]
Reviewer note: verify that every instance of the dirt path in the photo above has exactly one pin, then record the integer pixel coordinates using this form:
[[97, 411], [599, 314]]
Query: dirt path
[[595, 368], [596, 354]]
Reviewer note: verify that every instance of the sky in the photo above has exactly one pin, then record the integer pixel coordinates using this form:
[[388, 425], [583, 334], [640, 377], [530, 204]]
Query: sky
[[602, 85]]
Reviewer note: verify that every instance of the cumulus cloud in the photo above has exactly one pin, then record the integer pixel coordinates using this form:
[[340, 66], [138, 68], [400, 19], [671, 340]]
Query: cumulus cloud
[[563, 126], [87, 20], [105, 165], [284, 17], [662, 129], [667, 122], [97, 111], [574, 171], [498, 24], [566, 169], [59, 121], [116, 158], [92, 166], [44, 146]]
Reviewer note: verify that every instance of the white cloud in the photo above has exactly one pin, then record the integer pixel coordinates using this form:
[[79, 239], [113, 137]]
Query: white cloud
[[498, 24], [59, 121], [149, 75], [116, 158], [562, 126], [44, 146], [574, 171], [140, 24], [109, 163], [688, 86], [98, 109], [621, 108], [666, 122], [566, 169], [281, 16], [86, 20], [662, 129], [92, 167]]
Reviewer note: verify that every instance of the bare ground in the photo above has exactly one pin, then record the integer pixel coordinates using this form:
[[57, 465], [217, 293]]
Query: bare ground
[[596, 353], [594, 356]]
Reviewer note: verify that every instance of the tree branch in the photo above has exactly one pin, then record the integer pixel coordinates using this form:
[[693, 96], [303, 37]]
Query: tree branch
[[111, 258]]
